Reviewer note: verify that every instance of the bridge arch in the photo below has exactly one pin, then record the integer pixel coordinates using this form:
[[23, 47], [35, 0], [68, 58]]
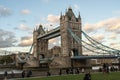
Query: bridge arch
[[75, 52]]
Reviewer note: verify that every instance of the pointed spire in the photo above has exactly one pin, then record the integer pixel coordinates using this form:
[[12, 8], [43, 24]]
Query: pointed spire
[[37, 27], [69, 8], [40, 25], [66, 12], [34, 30], [61, 13], [66, 9], [61, 16], [70, 13], [79, 15]]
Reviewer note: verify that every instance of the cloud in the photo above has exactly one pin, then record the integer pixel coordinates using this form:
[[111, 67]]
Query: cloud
[[114, 27], [99, 37], [46, 1], [26, 41], [4, 11], [115, 45], [53, 18], [23, 21], [23, 27], [118, 32], [52, 22], [113, 36], [55, 41], [25, 11], [108, 29], [76, 7], [117, 12], [88, 27], [49, 26], [7, 39], [112, 24]]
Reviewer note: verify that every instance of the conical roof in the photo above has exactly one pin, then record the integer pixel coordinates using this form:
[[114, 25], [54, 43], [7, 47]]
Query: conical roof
[[70, 13]]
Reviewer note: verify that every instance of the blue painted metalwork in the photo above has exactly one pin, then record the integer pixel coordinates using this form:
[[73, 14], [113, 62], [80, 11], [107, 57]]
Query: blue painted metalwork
[[96, 57]]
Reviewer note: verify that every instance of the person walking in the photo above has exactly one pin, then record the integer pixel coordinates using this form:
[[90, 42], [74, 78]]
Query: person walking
[[83, 70], [12, 74], [29, 73], [23, 74], [60, 72], [48, 73], [87, 76], [5, 75]]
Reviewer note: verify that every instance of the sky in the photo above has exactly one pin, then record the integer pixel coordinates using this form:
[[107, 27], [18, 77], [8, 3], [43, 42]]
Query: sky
[[18, 19]]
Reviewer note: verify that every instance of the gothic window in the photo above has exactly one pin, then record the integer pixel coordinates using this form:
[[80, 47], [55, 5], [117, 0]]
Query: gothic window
[[69, 18]]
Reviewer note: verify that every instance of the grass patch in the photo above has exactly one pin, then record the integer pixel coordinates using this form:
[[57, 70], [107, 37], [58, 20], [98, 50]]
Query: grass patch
[[95, 76]]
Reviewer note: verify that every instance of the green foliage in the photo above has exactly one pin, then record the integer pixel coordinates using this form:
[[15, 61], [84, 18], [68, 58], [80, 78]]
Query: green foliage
[[6, 59], [95, 76]]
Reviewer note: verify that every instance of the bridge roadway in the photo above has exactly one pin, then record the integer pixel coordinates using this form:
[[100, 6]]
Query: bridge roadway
[[50, 34], [96, 57]]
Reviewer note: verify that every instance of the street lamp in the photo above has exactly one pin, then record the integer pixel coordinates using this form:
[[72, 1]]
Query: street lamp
[[5, 59], [119, 63]]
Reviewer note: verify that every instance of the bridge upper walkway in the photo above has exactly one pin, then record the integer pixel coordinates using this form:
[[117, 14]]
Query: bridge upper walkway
[[50, 34]]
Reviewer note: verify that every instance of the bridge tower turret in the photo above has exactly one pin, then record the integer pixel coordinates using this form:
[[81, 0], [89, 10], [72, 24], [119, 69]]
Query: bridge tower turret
[[40, 45], [35, 42], [68, 44]]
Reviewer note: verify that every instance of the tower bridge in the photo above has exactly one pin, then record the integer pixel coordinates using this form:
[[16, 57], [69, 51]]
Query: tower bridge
[[72, 45], [68, 44]]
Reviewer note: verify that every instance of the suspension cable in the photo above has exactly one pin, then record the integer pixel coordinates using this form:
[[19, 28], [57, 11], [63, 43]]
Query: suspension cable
[[26, 55], [100, 43], [78, 41], [98, 47]]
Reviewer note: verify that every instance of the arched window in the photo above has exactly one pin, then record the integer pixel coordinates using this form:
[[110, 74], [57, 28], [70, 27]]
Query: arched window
[[75, 52]]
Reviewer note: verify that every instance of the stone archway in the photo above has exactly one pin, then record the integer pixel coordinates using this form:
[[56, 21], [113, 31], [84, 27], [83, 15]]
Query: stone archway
[[75, 52]]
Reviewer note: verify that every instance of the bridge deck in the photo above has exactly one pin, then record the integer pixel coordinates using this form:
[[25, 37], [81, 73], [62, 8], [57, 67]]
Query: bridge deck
[[96, 57]]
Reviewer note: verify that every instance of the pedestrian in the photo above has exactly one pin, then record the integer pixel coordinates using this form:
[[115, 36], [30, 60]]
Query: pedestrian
[[29, 73], [104, 68], [67, 71], [23, 74], [5, 74], [107, 68], [83, 70], [77, 71], [48, 73], [87, 76], [60, 72], [12, 74]]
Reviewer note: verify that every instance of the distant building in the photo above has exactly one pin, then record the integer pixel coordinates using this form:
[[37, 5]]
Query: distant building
[[55, 51], [102, 61]]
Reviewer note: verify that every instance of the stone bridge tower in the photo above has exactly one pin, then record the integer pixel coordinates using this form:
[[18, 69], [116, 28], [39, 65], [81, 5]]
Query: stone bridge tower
[[40, 45], [68, 44]]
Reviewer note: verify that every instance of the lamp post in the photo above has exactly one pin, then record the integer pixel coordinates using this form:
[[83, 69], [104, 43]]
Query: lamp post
[[118, 54], [5, 59], [119, 63]]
